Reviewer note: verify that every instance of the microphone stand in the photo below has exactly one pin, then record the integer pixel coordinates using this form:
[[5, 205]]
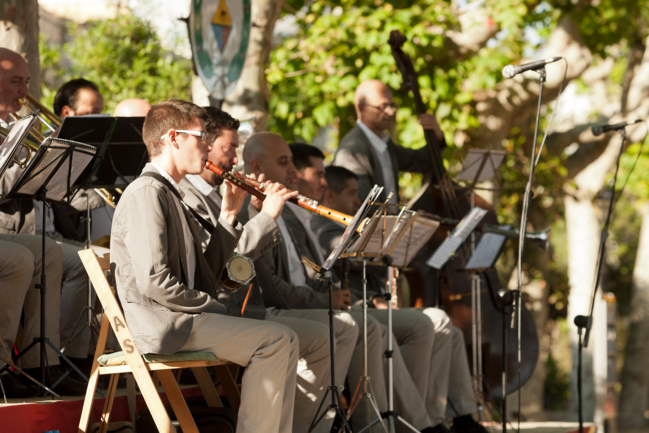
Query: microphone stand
[[521, 237], [586, 322]]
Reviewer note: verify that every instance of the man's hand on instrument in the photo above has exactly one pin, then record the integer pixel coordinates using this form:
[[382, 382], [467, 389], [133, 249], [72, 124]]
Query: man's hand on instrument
[[342, 299], [232, 201], [276, 196], [428, 121], [380, 303]]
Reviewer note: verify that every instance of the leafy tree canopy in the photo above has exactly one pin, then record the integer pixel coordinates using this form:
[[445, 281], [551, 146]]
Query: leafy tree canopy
[[123, 56]]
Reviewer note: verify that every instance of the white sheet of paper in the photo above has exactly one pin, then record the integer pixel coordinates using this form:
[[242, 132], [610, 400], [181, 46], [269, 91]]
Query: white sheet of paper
[[413, 240], [444, 252], [469, 223]]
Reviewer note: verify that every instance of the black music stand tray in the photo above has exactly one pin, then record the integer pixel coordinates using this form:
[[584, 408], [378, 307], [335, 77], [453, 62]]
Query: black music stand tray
[[48, 178]]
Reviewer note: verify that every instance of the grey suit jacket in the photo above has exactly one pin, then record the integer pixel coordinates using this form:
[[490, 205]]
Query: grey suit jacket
[[149, 263], [256, 239], [276, 260], [329, 233], [356, 153], [259, 235]]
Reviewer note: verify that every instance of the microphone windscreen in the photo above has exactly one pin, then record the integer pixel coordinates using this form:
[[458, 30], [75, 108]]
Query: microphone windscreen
[[597, 130], [509, 71]]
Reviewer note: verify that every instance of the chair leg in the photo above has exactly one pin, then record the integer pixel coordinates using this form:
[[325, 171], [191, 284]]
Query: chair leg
[[94, 378], [207, 387], [177, 401], [229, 385], [131, 397], [177, 374], [108, 405]]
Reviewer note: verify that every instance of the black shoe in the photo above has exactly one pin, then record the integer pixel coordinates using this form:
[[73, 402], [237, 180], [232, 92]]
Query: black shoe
[[439, 428], [14, 389], [67, 387], [466, 424]]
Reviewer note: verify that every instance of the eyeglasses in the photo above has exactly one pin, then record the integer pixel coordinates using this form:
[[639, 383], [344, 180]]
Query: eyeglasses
[[384, 107], [200, 134]]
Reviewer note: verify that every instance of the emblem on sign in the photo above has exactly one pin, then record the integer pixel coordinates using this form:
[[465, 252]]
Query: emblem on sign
[[219, 32]]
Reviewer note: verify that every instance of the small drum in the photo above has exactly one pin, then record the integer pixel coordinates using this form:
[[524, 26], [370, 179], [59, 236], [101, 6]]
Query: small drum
[[238, 272]]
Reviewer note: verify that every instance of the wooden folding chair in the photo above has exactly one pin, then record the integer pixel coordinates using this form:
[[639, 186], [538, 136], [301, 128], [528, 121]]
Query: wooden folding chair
[[142, 366]]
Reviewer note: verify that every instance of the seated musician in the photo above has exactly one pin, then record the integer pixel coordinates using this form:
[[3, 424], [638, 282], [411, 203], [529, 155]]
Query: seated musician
[[269, 154], [443, 376], [19, 247], [167, 284], [259, 235], [369, 152]]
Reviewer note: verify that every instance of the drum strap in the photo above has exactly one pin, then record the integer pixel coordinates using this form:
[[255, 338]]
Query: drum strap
[[202, 221]]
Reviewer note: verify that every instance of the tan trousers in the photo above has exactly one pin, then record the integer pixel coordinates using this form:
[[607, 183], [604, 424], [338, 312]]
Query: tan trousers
[[270, 352], [17, 250], [312, 368], [448, 392]]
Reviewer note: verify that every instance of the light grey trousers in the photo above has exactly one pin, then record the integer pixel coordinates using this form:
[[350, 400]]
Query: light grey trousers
[[270, 353], [346, 339], [20, 271], [312, 367]]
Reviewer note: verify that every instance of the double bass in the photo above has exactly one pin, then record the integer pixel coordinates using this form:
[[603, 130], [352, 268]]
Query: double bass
[[440, 196]]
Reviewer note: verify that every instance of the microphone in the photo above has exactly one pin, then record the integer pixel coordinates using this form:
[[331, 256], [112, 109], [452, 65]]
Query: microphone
[[600, 129], [510, 71]]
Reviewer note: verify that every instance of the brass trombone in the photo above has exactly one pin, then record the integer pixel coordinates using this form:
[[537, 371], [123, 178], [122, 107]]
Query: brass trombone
[[47, 117]]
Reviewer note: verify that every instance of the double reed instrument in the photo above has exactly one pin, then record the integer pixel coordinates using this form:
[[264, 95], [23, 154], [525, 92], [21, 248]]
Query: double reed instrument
[[257, 188]]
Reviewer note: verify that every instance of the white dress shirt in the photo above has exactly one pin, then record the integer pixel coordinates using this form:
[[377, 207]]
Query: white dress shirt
[[295, 266], [205, 188], [380, 145], [189, 241]]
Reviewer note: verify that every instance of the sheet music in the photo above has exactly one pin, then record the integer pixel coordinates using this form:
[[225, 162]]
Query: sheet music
[[444, 252], [469, 223], [473, 165], [351, 229], [487, 251], [404, 247]]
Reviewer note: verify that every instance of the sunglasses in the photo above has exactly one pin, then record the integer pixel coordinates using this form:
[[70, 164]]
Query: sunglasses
[[200, 134]]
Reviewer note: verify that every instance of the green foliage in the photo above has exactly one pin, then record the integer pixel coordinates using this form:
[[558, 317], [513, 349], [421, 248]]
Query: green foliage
[[557, 386], [123, 56]]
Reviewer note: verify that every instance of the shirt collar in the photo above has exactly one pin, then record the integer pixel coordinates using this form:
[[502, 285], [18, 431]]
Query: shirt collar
[[169, 178], [200, 184], [379, 143]]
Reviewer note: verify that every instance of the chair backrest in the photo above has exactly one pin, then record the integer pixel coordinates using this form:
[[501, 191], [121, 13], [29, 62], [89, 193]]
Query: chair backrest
[[95, 268]]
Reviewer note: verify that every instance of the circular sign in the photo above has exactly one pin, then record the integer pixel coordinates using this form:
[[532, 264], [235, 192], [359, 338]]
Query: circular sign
[[219, 31]]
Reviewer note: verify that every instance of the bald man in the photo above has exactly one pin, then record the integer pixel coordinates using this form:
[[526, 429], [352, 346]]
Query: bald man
[[21, 255], [369, 152], [132, 107]]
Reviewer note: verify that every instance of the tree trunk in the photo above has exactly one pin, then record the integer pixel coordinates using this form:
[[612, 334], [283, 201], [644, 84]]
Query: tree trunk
[[251, 96], [635, 375], [19, 32]]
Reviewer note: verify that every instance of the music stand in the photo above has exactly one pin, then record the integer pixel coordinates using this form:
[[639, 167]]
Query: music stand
[[325, 275], [48, 178], [391, 241], [484, 258], [120, 157], [480, 165]]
